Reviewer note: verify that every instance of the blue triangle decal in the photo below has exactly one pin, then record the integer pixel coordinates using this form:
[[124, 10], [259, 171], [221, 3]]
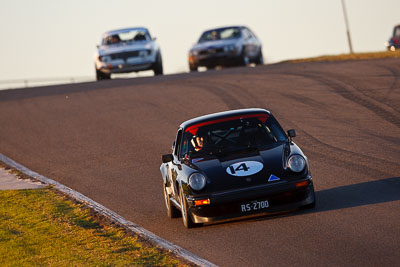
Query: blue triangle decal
[[273, 178]]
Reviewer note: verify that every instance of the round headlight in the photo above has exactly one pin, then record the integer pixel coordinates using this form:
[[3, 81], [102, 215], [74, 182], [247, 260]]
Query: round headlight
[[105, 58], [229, 48], [197, 181], [296, 163], [142, 53]]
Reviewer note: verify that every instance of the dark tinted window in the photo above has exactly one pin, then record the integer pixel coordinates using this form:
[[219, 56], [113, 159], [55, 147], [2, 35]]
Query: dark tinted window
[[235, 135], [134, 35], [220, 34], [396, 32]]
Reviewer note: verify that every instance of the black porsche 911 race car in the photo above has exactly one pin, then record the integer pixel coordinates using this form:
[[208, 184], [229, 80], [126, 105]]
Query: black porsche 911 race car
[[234, 163]]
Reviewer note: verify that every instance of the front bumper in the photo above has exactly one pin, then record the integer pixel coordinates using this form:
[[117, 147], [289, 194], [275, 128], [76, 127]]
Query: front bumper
[[282, 196], [217, 59], [125, 68], [126, 65]]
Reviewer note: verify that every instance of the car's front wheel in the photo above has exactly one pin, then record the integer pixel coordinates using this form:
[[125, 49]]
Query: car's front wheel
[[172, 211], [192, 68], [245, 60], [158, 67], [260, 59], [312, 204], [102, 76], [187, 220]]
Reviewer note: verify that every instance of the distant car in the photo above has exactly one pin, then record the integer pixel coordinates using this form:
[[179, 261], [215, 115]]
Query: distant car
[[232, 164], [127, 50], [228, 46], [394, 41]]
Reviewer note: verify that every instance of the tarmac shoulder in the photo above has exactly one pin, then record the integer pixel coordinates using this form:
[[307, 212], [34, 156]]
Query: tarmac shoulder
[[10, 181]]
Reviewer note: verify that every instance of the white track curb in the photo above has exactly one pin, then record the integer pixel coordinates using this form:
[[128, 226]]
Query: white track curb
[[143, 233]]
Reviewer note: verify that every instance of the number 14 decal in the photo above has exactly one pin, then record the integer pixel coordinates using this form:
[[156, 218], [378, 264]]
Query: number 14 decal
[[244, 168], [241, 167]]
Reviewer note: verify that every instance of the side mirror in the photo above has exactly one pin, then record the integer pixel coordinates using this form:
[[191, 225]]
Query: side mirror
[[167, 158], [154, 38], [291, 133], [97, 46]]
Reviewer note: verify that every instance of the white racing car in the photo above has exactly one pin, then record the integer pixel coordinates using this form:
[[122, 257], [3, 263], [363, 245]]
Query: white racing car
[[127, 50]]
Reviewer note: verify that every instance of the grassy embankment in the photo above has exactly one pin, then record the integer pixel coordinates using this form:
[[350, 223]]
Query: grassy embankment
[[44, 227], [355, 56]]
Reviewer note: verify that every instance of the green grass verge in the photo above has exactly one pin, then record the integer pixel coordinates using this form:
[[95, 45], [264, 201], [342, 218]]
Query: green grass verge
[[43, 227], [355, 56]]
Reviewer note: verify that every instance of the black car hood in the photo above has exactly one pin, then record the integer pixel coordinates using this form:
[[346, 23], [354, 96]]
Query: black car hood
[[243, 169]]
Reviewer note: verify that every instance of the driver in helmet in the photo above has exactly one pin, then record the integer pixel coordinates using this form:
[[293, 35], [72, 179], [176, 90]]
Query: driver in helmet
[[197, 142], [115, 39]]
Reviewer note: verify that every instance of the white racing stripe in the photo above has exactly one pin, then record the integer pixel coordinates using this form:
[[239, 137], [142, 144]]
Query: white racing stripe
[[113, 216]]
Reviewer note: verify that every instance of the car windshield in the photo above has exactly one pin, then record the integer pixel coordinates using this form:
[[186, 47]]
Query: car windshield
[[232, 136], [135, 35], [220, 34], [396, 32]]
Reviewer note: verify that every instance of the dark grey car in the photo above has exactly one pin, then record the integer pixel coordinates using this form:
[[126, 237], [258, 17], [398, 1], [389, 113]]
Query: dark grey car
[[394, 42], [227, 46]]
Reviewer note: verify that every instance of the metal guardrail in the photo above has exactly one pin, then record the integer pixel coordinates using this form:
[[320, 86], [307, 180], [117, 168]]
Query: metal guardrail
[[25, 83]]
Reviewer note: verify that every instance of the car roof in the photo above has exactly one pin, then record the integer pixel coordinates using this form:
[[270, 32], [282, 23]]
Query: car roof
[[124, 30], [222, 115], [226, 27]]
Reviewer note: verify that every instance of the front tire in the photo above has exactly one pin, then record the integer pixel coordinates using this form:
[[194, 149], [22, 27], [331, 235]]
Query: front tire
[[172, 211], [245, 60], [102, 76], [192, 68], [312, 204], [260, 59], [187, 220], [158, 67]]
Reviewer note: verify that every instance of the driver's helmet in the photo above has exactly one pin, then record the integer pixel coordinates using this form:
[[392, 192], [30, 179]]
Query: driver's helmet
[[115, 39], [214, 35], [198, 142]]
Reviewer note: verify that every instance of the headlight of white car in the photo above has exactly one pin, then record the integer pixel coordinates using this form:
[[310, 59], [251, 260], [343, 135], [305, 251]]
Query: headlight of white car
[[197, 181], [105, 58], [229, 48], [296, 163], [142, 53]]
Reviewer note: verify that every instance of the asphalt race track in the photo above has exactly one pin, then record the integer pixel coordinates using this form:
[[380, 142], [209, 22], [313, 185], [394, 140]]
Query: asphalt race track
[[105, 139]]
